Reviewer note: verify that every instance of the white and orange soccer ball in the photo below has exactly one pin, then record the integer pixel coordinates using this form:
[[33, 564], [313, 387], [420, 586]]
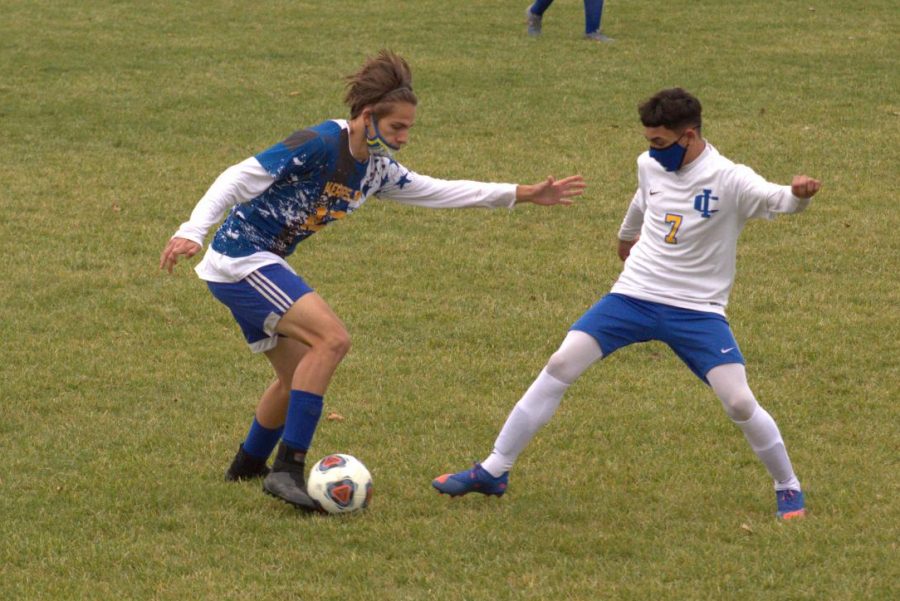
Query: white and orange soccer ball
[[340, 484]]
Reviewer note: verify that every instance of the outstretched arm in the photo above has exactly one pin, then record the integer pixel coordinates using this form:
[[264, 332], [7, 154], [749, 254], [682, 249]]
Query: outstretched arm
[[551, 192], [760, 199], [412, 188]]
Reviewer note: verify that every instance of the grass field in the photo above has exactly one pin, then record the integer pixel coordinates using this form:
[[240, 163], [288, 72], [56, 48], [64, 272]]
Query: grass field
[[125, 391]]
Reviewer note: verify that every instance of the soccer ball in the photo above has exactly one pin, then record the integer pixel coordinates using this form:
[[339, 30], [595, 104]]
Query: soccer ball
[[340, 484]]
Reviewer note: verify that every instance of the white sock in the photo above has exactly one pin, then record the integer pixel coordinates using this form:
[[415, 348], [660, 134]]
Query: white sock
[[765, 440], [533, 410]]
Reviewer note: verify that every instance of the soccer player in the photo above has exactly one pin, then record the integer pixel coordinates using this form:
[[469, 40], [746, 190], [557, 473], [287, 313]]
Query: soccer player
[[593, 12], [678, 241], [280, 197]]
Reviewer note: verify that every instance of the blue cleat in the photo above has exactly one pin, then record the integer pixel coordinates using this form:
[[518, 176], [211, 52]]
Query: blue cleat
[[790, 504], [476, 479]]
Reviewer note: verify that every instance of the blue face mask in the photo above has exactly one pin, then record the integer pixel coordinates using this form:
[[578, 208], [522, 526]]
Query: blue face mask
[[377, 145], [671, 157]]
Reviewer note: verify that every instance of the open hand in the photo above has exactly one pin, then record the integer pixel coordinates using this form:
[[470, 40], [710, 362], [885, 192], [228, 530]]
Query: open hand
[[552, 192], [177, 247]]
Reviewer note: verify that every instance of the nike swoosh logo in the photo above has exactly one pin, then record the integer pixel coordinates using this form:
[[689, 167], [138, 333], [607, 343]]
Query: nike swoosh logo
[[654, 192], [727, 350]]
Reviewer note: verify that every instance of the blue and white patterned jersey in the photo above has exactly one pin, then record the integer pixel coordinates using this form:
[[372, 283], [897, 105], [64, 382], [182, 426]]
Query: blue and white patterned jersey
[[288, 192], [317, 181]]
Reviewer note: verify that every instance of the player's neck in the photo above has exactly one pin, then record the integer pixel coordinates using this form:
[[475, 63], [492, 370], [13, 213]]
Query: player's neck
[[694, 150], [358, 147]]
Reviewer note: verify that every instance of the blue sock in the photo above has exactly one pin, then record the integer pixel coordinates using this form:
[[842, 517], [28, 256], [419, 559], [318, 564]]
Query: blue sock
[[261, 440], [593, 10], [302, 418], [540, 6]]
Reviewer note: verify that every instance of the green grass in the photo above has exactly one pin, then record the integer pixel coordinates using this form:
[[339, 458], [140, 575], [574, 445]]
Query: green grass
[[125, 391]]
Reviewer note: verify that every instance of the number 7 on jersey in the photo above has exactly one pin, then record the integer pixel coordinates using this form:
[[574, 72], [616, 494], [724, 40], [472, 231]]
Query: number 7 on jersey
[[674, 220]]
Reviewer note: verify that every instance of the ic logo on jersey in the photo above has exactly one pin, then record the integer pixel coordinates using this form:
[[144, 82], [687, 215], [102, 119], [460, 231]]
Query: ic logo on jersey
[[701, 203]]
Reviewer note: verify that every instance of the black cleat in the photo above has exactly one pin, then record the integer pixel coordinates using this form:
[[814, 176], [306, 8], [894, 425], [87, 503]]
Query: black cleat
[[287, 482], [290, 488], [246, 467]]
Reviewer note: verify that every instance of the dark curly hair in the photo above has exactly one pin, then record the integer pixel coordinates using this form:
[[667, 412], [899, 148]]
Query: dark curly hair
[[673, 108]]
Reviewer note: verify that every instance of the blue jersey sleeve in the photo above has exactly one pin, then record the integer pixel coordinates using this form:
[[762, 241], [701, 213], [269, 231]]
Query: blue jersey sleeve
[[301, 154]]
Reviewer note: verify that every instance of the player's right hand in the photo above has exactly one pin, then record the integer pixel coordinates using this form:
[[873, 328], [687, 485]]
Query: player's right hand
[[177, 247], [624, 248]]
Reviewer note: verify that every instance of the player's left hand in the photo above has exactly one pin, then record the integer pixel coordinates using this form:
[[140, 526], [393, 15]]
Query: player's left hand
[[552, 192], [804, 187]]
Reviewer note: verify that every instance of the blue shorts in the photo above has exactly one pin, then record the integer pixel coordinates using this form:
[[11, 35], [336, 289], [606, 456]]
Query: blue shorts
[[701, 339], [259, 301]]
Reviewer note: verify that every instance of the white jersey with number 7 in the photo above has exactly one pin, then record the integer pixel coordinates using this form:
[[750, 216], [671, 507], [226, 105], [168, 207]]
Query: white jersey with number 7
[[689, 221]]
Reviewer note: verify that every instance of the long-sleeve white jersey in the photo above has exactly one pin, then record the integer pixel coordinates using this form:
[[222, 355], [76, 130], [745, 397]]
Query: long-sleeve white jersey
[[286, 193], [689, 221]]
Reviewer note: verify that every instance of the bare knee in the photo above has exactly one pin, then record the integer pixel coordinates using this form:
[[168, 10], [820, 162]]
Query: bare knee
[[283, 387], [331, 340], [335, 343]]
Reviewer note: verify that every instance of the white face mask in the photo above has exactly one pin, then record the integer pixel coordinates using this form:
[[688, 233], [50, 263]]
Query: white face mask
[[377, 145]]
